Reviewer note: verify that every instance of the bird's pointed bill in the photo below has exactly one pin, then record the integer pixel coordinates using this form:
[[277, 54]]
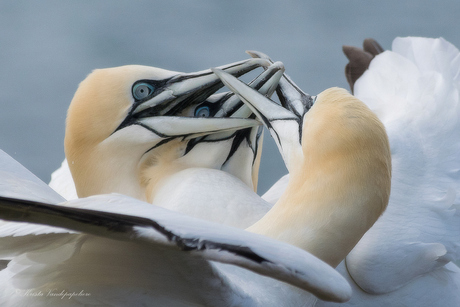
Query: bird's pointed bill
[[265, 84], [225, 114], [190, 127], [182, 89], [284, 125]]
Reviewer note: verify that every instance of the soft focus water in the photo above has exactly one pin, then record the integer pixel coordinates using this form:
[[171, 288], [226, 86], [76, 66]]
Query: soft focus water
[[48, 47]]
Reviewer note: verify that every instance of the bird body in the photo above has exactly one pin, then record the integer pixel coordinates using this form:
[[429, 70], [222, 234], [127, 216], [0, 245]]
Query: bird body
[[343, 143], [124, 251], [62, 182], [216, 196]]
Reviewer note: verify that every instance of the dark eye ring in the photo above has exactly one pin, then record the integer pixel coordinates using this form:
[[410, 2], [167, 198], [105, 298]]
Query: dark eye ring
[[142, 90], [202, 111]]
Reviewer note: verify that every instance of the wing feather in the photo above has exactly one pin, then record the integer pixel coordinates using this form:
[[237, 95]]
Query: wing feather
[[124, 219], [418, 101]]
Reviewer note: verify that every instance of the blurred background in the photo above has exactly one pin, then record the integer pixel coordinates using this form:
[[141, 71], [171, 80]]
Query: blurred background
[[48, 47]]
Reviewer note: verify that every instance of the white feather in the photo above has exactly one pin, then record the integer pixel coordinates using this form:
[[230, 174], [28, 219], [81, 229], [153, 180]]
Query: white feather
[[404, 259], [146, 263]]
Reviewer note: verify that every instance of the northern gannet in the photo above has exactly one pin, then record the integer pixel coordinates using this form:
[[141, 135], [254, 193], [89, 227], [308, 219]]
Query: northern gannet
[[164, 165], [405, 258], [337, 153]]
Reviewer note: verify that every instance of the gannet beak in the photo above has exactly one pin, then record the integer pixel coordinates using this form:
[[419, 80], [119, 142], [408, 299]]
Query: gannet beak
[[191, 127], [280, 121], [245, 143], [182, 89], [290, 95], [163, 111], [229, 105], [164, 107], [265, 84]]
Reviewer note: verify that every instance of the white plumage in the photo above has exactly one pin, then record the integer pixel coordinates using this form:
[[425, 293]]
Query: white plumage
[[147, 255], [62, 182], [405, 258]]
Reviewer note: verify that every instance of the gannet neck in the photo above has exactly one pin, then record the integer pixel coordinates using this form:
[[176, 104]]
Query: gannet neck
[[111, 166], [100, 160], [340, 186]]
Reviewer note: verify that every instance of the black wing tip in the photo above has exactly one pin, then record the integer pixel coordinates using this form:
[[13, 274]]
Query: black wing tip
[[19, 210]]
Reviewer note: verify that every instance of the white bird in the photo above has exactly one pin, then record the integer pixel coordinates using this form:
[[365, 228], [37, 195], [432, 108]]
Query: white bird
[[337, 189], [405, 259], [339, 164]]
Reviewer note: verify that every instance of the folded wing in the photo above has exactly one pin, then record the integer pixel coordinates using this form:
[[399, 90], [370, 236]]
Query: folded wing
[[94, 233]]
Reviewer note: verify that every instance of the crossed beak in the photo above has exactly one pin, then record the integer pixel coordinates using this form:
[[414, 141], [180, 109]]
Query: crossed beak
[[163, 111]]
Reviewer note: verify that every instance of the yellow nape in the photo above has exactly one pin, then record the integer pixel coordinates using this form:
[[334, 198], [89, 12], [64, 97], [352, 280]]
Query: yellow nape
[[100, 104], [340, 186], [134, 159]]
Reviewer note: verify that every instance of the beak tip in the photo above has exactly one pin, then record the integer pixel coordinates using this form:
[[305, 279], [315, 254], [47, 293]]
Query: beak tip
[[258, 54], [279, 65], [262, 62], [252, 53]]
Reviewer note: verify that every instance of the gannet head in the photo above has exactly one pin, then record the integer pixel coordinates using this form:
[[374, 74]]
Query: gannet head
[[339, 164], [126, 122]]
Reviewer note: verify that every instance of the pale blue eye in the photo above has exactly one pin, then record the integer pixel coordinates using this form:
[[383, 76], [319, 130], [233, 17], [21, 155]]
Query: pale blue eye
[[142, 90], [202, 112]]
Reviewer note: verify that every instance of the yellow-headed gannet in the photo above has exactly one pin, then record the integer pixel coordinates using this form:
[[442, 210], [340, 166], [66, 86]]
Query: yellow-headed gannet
[[339, 164], [405, 258], [126, 124]]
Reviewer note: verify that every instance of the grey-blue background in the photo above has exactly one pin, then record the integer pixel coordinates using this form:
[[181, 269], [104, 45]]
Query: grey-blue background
[[48, 47]]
